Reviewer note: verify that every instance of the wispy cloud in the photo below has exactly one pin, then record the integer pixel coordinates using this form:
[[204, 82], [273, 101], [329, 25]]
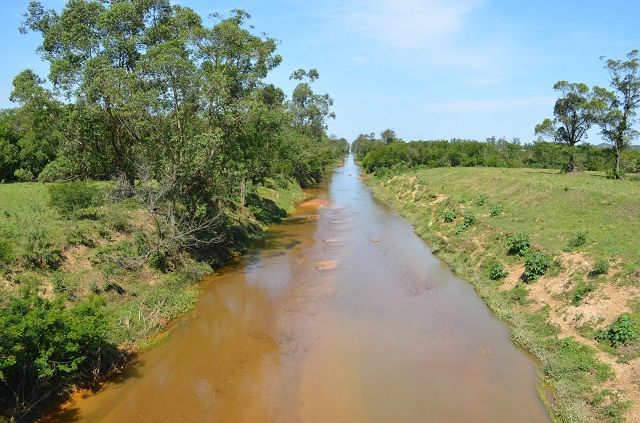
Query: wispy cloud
[[448, 35], [410, 24], [489, 105]]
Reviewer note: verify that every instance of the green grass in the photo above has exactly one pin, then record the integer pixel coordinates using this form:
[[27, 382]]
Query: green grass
[[561, 214], [552, 207]]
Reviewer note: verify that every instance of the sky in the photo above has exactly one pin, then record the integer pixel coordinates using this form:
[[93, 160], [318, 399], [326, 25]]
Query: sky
[[428, 69]]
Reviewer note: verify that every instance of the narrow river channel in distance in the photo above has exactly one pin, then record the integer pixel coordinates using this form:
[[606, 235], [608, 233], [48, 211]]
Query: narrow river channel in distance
[[340, 314]]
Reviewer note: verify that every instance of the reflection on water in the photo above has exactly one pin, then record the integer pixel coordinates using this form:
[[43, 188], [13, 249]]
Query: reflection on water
[[341, 314]]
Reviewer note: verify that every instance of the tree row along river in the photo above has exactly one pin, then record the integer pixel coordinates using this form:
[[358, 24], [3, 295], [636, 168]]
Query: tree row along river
[[341, 314]]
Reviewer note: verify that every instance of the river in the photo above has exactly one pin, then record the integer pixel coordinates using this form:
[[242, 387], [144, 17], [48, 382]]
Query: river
[[340, 314]]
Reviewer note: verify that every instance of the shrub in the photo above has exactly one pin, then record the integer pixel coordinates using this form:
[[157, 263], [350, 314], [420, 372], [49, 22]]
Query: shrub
[[469, 220], [23, 175], [448, 216], [577, 240], [69, 198], [497, 271], [536, 265], [618, 333], [5, 252], [518, 244], [481, 199], [600, 267], [495, 209], [48, 347], [580, 291]]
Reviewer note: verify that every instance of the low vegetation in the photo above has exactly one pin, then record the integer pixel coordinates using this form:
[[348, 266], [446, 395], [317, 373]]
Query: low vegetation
[[558, 262]]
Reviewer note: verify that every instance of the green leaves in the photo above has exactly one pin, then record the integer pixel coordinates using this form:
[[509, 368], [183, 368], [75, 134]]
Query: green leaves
[[43, 343], [619, 333], [518, 244]]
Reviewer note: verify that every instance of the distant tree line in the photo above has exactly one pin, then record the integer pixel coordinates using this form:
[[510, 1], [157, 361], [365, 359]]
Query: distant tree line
[[376, 155], [576, 111]]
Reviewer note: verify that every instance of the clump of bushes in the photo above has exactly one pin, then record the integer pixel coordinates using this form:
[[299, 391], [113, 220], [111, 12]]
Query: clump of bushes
[[578, 239], [619, 333], [600, 267], [448, 216], [518, 245], [497, 271], [581, 290], [481, 199], [469, 220], [536, 265], [495, 209], [70, 198]]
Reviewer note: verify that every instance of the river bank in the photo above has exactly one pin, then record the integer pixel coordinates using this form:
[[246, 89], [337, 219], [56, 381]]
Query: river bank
[[468, 216], [98, 263]]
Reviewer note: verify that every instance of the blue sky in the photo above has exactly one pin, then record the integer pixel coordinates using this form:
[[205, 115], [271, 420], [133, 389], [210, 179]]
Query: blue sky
[[429, 69]]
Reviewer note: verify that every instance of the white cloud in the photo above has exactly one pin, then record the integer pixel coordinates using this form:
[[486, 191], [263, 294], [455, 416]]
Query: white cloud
[[489, 105], [410, 24], [360, 59]]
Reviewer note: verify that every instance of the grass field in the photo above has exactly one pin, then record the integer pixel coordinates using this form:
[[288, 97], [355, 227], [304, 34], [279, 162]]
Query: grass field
[[586, 226]]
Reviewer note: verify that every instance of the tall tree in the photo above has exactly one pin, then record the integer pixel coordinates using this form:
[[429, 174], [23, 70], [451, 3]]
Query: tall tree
[[388, 136], [93, 48], [574, 115], [310, 111], [618, 108]]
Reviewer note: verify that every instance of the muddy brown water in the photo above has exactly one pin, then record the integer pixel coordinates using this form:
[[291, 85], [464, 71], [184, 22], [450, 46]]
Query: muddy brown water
[[341, 314]]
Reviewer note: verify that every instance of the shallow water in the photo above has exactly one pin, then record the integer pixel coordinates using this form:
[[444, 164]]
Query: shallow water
[[341, 314]]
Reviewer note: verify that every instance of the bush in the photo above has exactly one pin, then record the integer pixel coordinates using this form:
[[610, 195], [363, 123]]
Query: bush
[[448, 216], [46, 347], [69, 198], [481, 199], [581, 290], [469, 220], [23, 175], [619, 333], [497, 271], [536, 265], [495, 209], [577, 240], [600, 267], [518, 244]]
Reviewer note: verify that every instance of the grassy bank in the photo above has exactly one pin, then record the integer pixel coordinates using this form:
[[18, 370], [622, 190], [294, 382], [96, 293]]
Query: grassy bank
[[555, 256], [69, 277]]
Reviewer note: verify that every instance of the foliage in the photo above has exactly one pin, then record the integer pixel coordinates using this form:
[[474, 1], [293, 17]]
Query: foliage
[[518, 294], [481, 199], [45, 346], [518, 244], [600, 267], [495, 209], [574, 115], [448, 216], [577, 240], [617, 108], [619, 333], [536, 265], [469, 220], [581, 290], [70, 198], [498, 271]]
